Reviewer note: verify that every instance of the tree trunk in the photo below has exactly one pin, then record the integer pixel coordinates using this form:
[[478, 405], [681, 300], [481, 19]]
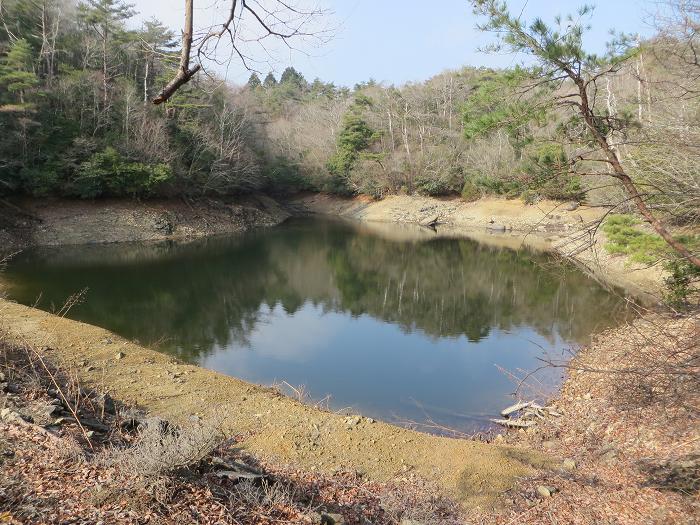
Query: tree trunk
[[630, 187], [145, 82], [185, 73]]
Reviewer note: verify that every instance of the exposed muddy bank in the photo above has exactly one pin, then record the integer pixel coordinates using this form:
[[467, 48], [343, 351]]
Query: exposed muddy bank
[[65, 222], [548, 225]]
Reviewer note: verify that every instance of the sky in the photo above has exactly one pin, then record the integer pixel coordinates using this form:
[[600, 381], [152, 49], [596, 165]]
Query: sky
[[398, 41]]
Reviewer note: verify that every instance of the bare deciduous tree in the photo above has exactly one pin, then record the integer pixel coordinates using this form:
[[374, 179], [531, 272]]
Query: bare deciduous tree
[[248, 22]]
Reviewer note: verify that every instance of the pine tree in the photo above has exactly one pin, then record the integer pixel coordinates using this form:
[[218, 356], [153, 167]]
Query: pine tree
[[16, 71], [157, 40], [292, 77], [254, 81], [106, 18], [270, 80]]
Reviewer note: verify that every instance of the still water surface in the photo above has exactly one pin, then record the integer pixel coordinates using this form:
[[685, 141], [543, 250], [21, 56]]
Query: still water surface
[[396, 326]]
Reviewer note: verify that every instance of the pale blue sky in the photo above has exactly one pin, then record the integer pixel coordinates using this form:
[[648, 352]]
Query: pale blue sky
[[396, 41]]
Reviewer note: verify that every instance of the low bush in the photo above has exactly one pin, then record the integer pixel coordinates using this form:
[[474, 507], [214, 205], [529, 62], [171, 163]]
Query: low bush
[[107, 173], [162, 449]]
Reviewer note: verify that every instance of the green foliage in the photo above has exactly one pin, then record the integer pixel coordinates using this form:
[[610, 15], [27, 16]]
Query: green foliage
[[493, 106], [470, 191], [254, 81], [16, 69], [680, 284], [107, 173], [284, 176], [270, 80], [546, 171], [355, 136], [292, 77], [625, 238]]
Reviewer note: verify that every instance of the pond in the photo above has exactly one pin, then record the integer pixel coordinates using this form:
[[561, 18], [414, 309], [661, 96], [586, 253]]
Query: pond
[[397, 324]]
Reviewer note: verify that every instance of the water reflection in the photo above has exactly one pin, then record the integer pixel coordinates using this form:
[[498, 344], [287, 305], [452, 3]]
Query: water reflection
[[380, 324]]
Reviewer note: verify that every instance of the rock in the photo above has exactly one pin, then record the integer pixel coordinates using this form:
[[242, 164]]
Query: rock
[[549, 445], [332, 519], [431, 220], [587, 396], [495, 226], [54, 410], [63, 420], [9, 415], [571, 206], [108, 404], [569, 464], [120, 355], [352, 421], [94, 424], [10, 388], [544, 491], [410, 522], [3, 377]]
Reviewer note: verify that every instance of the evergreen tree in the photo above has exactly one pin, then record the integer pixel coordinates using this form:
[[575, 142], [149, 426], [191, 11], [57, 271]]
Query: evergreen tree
[[292, 77], [16, 70], [157, 40], [355, 136], [270, 80], [106, 19], [254, 81]]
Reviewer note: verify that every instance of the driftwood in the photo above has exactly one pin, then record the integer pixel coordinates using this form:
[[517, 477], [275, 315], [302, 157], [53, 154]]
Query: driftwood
[[515, 408], [528, 412], [513, 423]]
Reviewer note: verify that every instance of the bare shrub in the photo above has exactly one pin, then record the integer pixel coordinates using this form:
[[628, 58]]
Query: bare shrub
[[660, 364], [654, 364], [419, 505], [161, 449], [264, 496]]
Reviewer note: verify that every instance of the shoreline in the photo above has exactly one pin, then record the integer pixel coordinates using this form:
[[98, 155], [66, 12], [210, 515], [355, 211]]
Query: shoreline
[[273, 426], [281, 429], [499, 222]]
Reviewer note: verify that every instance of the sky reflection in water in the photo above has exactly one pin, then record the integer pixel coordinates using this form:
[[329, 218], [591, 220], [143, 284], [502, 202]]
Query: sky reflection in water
[[399, 330]]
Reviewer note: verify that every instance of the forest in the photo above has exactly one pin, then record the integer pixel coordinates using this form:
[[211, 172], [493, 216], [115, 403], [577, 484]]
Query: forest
[[76, 82]]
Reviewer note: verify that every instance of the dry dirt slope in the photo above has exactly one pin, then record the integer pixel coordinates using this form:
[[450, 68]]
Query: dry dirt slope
[[275, 427]]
